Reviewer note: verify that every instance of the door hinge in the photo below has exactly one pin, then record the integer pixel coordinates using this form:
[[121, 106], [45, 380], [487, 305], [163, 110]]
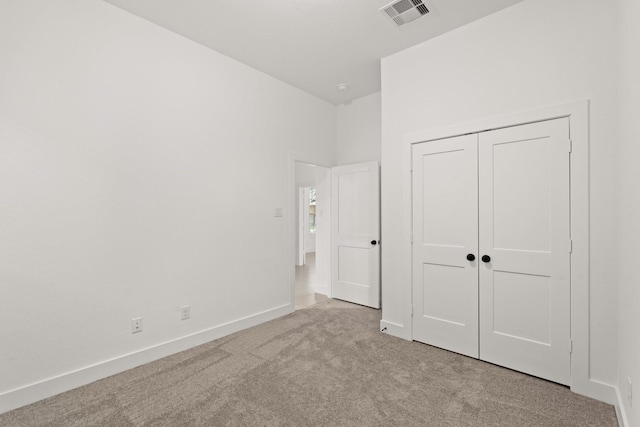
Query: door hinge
[[570, 145], [570, 246], [411, 311], [570, 346]]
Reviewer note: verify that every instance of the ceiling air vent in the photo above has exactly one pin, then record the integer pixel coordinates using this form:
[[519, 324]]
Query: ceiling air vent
[[404, 11]]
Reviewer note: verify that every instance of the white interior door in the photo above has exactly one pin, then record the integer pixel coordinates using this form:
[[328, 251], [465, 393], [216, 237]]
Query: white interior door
[[525, 230], [355, 225], [445, 233]]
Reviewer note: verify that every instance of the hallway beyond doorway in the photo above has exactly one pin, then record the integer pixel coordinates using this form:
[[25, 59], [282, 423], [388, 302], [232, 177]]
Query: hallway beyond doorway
[[305, 283]]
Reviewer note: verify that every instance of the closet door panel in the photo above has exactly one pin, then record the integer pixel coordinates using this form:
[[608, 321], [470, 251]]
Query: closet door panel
[[445, 232], [524, 229]]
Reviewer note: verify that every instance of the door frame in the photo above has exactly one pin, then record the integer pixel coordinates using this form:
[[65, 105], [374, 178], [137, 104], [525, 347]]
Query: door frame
[[300, 255], [578, 114], [292, 219]]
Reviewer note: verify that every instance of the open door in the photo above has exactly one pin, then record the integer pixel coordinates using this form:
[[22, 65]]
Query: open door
[[355, 223]]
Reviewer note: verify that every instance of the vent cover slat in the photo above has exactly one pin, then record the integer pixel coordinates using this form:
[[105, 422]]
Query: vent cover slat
[[404, 11], [402, 6]]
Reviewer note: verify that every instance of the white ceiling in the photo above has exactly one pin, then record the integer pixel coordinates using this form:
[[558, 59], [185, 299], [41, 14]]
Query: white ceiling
[[313, 45]]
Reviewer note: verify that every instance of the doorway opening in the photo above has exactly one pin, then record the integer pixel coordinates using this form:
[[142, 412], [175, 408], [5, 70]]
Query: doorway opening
[[312, 280]]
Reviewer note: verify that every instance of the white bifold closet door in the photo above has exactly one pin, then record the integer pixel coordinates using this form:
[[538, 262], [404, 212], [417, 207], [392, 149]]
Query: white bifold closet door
[[519, 276], [445, 231], [525, 230]]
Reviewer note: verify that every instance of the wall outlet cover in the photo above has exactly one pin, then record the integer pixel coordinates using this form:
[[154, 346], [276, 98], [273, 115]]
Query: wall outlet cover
[[136, 325], [185, 312]]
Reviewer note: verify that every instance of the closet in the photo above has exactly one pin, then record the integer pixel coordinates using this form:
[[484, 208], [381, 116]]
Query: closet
[[491, 246]]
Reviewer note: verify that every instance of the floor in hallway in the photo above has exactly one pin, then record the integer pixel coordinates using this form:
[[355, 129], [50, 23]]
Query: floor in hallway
[[306, 278]]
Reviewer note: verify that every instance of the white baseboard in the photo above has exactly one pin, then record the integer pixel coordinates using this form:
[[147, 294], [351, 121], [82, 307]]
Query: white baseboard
[[620, 410], [394, 329], [31, 393], [598, 390], [609, 394]]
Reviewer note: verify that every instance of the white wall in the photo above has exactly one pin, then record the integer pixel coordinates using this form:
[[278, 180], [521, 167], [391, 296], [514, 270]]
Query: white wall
[[531, 55], [305, 175], [628, 192], [358, 130], [136, 169]]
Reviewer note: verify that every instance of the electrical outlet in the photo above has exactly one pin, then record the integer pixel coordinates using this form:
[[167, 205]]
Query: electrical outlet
[[185, 312], [629, 391], [136, 325]]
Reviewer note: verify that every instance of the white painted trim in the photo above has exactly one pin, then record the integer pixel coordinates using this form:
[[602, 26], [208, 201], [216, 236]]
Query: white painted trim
[[578, 114], [599, 391], [394, 329], [300, 256], [620, 412], [31, 393]]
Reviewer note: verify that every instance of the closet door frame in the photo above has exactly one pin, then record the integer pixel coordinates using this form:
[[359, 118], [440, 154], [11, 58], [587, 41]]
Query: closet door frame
[[578, 114]]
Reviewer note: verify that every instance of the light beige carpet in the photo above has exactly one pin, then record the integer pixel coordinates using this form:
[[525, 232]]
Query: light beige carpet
[[327, 365]]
